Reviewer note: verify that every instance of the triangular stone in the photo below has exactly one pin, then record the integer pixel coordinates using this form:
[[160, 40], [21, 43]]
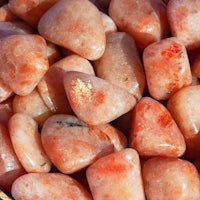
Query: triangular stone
[[94, 100]]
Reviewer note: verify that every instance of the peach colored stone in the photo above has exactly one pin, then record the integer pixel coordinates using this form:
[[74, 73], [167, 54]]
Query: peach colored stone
[[145, 21], [31, 10], [94, 100], [154, 131], [26, 142], [33, 105], [71, 144], [170, 178], [10, 167], [23, 62], [184, 21], [116, 176], [184, 107], [48, 186], [167, 68], [121, 64], [85, 32], [51, 86]]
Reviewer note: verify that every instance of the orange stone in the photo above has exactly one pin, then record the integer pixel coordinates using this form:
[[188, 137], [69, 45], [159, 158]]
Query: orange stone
[[85, 32], [94, 100], [154, 132], [170, 178], [23, 61]]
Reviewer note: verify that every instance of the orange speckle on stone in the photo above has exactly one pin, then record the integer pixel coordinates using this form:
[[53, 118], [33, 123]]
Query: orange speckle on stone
[[81, 91], [46, 181], [99, 98], [173, 51], [12, 74], [74, 27], [25, 82], [164, 119]]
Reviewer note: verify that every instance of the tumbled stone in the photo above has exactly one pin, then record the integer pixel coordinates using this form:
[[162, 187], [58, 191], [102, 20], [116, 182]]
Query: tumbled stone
[[23, 62], [116, 176], [170, 178], [145, 21], [167, 68], [154, 132], [83, 34], [26, 142], [71, 144], [121, 64], [184, 21], [184, 107], [94, 100], [48, 186]]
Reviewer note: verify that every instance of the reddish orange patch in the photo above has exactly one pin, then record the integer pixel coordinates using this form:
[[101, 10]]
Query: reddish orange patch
[[46, 181], [25, 82], [164, 119], [99, 98], [11, 74], [113, 166], [173, 51]]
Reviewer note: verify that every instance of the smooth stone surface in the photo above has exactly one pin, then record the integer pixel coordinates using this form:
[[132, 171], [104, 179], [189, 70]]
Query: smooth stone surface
[[94, 100], [22, 73], [71, 144], [167, 68], [170, 178], [184, 21], [154, 132], [145, 21], [85, 32], [26, 142], [184, 107], [116, 176], [50, 186], [121, 64]]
